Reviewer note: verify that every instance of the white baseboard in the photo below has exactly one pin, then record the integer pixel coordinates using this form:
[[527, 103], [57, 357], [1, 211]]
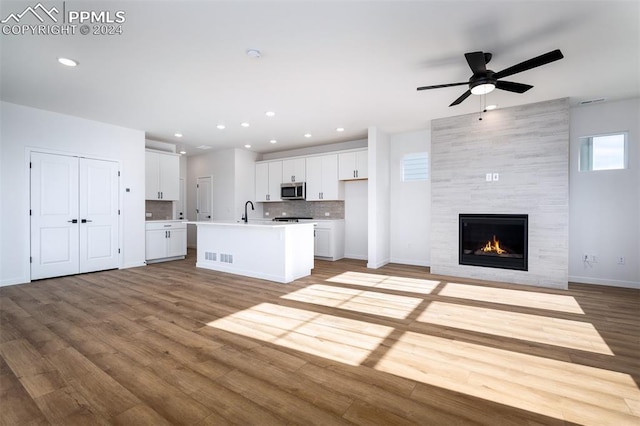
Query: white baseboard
[[600, 281], [377, 265], [356, 256], [414, 262], [133, 265], [14, 281]]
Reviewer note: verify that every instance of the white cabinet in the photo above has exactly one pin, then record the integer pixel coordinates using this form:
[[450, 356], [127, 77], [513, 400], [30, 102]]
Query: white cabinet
[[293, 170], [268, 180], [322, 178], [165, 241], [353, 165], [162, 174], [329, 239]]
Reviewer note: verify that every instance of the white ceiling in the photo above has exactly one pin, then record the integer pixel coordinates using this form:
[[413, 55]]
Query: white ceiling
[[180, 66]]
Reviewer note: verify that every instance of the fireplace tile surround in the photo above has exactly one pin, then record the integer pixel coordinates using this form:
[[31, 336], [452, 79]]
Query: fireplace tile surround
[[528, 146]]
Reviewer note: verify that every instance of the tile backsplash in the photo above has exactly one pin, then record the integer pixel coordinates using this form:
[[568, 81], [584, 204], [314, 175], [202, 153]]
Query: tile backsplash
[[160, 210], [314, 209]]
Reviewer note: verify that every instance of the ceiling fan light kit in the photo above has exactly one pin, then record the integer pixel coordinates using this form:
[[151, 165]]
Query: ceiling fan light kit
[[484, 81]]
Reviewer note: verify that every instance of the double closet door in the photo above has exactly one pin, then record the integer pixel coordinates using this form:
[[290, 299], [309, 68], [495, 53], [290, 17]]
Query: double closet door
[[74, 215]]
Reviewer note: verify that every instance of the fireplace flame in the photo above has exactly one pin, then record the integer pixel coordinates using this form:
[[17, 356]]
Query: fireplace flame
[[493, 246]]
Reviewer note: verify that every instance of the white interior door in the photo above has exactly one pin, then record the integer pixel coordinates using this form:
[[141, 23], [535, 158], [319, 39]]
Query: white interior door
[[204, 195], [98, 216], [54, 215], [74, 215]]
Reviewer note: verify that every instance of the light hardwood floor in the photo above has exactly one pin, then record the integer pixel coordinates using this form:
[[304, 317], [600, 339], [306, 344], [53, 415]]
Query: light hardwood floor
[[172, 344]]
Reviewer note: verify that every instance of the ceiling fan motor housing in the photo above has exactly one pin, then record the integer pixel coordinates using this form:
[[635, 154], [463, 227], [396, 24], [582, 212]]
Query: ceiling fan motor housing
[[484, 78]]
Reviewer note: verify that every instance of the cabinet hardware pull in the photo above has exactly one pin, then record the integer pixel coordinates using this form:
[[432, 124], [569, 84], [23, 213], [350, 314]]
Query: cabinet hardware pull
[[73, 221], [86, 220]]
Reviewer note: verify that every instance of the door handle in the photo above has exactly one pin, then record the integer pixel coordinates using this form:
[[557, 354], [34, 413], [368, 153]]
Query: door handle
[[86, 220], [73, 221]]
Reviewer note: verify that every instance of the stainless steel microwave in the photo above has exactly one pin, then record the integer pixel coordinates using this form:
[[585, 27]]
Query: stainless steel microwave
[[293, 191]]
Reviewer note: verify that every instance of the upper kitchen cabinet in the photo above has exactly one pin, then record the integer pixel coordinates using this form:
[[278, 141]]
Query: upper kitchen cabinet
[[293, 170], [162, 173], [322, 178], [353, 165], [268, 180]]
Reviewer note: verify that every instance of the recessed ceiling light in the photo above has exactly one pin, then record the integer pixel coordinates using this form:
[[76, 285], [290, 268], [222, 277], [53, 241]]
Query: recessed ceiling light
[[204, 147], [273, 141], [245, 124], [220, 126], [490, 107], [68, 62], [247, 146], [340, 129], [177, 135], [307, 135], [269, 113], [253, 53], [183, 152]]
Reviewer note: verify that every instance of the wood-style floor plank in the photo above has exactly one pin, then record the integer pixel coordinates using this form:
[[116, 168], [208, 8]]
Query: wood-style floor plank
[[173, 344]]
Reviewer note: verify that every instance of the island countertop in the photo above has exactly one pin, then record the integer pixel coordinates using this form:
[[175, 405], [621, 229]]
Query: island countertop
[[257, 223]]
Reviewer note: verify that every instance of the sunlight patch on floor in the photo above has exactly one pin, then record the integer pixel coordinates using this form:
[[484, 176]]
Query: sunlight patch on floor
[[369, 302], [535, 328], [335, 338], [529, 299], [411, 285], [558, 389]]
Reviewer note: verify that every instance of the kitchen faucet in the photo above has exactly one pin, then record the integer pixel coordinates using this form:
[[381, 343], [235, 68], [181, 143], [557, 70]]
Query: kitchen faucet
[[246, 217]]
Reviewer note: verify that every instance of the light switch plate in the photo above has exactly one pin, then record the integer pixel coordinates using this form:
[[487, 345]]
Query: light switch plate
[[496, 177], [489, 177]]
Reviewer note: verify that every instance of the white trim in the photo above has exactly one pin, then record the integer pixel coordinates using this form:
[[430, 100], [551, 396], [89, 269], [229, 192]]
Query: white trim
[[355, 256], [606, 282], [133, 265], [377, 265], [414, 262]]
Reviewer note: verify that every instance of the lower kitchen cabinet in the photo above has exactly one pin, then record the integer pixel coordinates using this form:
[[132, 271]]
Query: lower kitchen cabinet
[[329, 239], [165, 240]]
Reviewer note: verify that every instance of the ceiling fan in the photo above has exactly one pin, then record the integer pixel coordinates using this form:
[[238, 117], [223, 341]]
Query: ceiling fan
[[484, 80]]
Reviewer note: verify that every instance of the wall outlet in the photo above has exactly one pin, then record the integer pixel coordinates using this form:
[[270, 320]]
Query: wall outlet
[[621, 260], [266, 213], [327, 214], [489, 177], [148, 214], [284, 213]]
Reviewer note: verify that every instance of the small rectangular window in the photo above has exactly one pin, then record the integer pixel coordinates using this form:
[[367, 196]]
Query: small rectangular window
[[415, 167], [603, 152]]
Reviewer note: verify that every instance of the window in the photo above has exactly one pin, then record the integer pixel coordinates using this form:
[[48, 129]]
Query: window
[[415, 167], [604, 152]]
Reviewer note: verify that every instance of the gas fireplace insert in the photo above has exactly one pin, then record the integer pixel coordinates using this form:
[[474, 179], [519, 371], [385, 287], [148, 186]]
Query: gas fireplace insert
[[494, 240]]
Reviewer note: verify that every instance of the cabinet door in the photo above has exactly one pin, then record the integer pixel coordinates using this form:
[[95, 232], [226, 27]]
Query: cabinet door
[[156, 244], [152, 171], [362, 164], [177, 242], [330, 183], [293, 170], [275, 179], [322, 243], [314, 178], [262, 181], [169, 177], [347, 166]]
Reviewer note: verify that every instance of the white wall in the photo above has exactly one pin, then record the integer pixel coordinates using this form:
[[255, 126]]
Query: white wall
[[356, 219], [24, 129], [604, 206], [410, 203], [379, 199], [233, 172]]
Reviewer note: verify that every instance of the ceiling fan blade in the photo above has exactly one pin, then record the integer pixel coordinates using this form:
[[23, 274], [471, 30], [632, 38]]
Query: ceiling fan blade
[[439, 86], [544, 59], [464, 96], [512, 87], [477, 62]]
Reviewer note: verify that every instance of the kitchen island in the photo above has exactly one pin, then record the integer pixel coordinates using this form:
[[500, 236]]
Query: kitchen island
[[274, 251]]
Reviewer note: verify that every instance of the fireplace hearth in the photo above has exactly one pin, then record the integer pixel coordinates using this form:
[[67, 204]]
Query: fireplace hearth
[[494, 240]]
